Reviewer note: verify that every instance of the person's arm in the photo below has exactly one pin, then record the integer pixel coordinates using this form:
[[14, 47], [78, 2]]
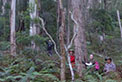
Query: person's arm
[[89, 64], [105, 68], [113, 67], [83, 62]]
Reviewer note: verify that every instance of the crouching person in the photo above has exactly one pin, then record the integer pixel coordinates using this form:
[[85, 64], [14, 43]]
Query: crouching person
[[72, 58], [93, 63], [109, 66]]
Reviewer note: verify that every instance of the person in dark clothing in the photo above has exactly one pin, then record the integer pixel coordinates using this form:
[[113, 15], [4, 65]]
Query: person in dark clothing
[[50, 46]]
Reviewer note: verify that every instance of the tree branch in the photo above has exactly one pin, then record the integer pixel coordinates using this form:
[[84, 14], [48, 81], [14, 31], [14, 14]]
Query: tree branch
[[55, 46], [70, 45], [75, 32]]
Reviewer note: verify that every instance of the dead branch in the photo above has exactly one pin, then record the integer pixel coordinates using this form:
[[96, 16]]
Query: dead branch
[[75, 32], [70, 65], [55, 46], [70, 45]]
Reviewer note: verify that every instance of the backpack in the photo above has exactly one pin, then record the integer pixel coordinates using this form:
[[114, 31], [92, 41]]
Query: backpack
[[97, 67]]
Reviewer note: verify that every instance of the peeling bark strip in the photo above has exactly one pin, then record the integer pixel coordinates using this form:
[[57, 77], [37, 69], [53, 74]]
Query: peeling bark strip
[[119, 20], [12, 26], [55, 46]]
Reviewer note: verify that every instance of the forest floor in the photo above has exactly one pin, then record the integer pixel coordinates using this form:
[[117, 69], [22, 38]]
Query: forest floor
[[52, 65]]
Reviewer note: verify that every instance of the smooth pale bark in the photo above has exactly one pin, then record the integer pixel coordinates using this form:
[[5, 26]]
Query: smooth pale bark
[[3, 7], [61, 40], [119, 20], [35, 8], [80, 40], [33, 16], [12, 26]]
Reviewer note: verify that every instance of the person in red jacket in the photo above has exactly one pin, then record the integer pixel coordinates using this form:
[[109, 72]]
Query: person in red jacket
[[72, 58]]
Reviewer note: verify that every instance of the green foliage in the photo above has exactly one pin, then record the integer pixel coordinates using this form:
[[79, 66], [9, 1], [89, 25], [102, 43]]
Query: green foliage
[[30, 74], [24, 69], [90, 75], [4, 45], [103, 22], [49, 14], [110, 80], [39, 40], [78, 80], [23, 39], [4, 26]]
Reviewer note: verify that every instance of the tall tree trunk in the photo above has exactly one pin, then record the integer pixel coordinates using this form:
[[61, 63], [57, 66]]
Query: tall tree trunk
[[12, 26], [61, 38], [33, 16], [80, 40], [68, 21], [62, 49], [3, 7], [38, 15], [38, 11]]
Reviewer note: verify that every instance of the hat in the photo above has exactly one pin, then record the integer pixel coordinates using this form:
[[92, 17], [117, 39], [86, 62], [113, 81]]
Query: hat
[[71, 50], [108, 58]]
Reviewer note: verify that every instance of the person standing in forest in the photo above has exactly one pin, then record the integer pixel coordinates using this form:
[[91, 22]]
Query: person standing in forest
[[72, 57], [49, 47]]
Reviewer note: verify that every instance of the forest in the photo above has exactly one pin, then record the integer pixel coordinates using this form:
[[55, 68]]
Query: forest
[[60, 40]]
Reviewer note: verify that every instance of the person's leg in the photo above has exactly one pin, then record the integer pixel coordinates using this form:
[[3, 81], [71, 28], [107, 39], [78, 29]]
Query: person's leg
[[50, 52]]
